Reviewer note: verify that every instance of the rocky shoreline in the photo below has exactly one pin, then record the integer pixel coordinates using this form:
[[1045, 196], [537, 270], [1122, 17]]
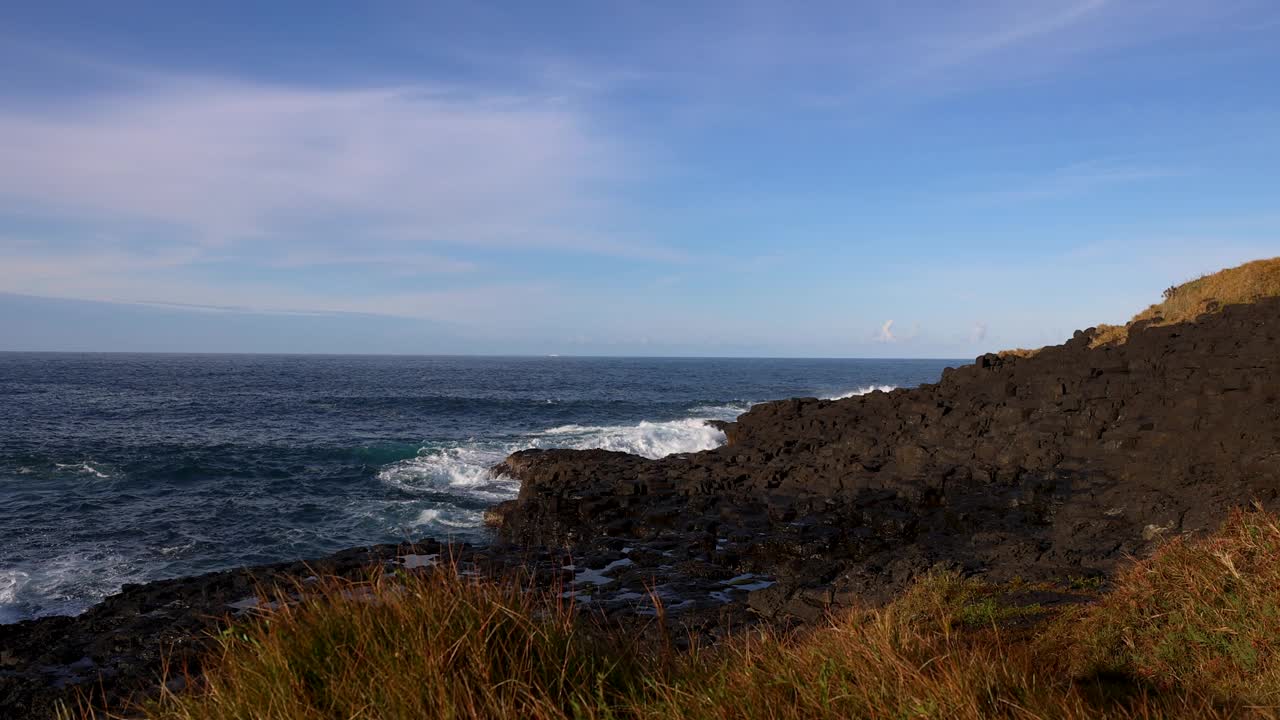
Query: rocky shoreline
[[1046, 467], [1051, 467]]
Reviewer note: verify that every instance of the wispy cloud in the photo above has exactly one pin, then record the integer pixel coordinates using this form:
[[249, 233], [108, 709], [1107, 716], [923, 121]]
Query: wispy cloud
[[225, 162], [978, 332], [1074, 179], [163, 176], [1011, 26], [488, 305], [885, 334], [398, 263], [861, 59]]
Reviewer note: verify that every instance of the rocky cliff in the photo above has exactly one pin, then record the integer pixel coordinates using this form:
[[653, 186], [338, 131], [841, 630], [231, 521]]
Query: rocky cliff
[[1043, 467]]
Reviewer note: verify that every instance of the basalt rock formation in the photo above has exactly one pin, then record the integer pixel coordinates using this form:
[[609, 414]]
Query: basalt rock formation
[[1044, 467]]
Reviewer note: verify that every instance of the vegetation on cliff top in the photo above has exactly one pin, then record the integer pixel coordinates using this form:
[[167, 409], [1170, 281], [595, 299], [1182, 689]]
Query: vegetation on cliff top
[[1183, 303], [1245, 283], [1191, 632]]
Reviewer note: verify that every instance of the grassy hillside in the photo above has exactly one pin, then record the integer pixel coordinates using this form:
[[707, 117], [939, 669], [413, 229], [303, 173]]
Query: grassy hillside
[[1185, 302], [1191, 632]]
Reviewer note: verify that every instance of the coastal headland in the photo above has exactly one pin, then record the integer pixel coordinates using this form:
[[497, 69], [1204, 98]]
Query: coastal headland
[[1050, 469]]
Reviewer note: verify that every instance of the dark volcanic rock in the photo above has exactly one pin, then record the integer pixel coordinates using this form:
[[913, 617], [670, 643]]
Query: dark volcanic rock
[[1044, 467]]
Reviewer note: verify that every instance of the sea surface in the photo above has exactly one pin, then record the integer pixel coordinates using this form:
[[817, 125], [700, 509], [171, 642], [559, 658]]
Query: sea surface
[[122, 468]]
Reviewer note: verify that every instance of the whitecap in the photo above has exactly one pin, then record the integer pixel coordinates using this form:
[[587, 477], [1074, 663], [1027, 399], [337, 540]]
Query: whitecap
[[648, 439], [727, 411], [83, 469], [448, 516], [863, 391], [176, 549], [11, 584], [459, 470], [464, 471], [63, 585]]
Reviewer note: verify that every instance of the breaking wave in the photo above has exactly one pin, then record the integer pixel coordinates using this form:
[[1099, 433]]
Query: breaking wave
[[82, 469], [728, 411], [449, 478], [461, 474], [647, 439], [63, 585], [457, 471], [863, 391]]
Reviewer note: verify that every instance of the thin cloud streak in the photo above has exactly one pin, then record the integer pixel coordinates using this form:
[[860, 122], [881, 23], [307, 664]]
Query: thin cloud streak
[[1076, 179], [227, 162]]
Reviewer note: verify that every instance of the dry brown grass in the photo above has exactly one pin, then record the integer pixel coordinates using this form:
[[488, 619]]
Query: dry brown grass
[[1192, 632], [441, 645], [1019, 353], [1201, 617], [1184, 303]]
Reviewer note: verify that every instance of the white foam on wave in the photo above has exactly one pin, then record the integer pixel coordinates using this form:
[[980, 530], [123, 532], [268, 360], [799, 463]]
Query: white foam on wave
[[64, 585], [457, 470], [450, 517], [464, 471], [83, 469], [728, 411], [11, 584], [648, 439], [863, 391]]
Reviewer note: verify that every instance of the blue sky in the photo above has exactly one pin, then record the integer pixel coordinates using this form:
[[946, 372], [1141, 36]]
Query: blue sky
[[847, 179]]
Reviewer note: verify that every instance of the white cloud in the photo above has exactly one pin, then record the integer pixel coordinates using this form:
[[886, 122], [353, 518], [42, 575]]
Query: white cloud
[[886, 333], [147, 188], [978, 332], [227, 162], [492, 306]]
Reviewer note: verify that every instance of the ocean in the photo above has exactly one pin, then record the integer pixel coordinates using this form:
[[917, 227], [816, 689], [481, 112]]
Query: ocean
[[124, 468]]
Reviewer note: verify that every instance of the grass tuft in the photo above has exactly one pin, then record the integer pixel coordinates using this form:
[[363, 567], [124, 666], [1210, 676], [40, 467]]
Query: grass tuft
[[1201, 616], [440, 645]]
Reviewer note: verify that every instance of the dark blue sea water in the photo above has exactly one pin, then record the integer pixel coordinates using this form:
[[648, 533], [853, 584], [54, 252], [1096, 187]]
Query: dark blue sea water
[[120, 468]]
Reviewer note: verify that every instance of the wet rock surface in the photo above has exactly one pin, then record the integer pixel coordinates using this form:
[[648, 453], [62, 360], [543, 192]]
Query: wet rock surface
[[1043, 468]]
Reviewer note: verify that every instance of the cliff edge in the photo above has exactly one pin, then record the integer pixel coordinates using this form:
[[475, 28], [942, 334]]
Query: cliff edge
[[1045, 467]]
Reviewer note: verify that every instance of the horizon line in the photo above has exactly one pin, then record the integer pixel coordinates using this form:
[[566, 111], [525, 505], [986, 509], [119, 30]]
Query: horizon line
[[473, 355]]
